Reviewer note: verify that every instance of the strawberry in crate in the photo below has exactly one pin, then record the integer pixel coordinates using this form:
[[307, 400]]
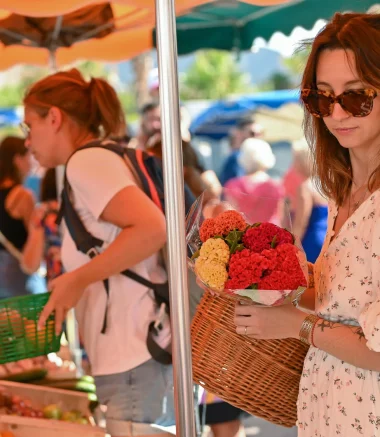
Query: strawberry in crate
[[259, 261]]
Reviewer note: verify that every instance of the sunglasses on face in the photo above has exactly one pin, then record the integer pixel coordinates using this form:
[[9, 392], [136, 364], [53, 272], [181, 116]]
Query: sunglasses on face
[[320, 103]]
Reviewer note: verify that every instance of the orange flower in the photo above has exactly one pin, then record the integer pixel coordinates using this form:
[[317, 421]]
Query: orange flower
[[229, 221], [206, 230]]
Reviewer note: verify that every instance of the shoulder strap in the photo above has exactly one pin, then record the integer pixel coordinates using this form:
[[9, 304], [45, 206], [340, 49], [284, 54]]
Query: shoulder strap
[[10, 247]]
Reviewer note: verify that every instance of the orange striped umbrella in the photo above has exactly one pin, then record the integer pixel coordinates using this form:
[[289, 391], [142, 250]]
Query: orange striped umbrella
[[81, 29]]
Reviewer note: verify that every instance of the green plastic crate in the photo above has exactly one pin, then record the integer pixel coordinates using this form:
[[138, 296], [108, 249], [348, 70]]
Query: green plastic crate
[[19, 337]]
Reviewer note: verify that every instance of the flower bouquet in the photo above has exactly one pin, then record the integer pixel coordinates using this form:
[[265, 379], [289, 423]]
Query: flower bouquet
[[259, 261]]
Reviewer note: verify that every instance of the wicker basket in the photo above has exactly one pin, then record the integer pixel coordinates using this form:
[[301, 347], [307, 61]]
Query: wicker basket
[[260, 377], [19, 337]]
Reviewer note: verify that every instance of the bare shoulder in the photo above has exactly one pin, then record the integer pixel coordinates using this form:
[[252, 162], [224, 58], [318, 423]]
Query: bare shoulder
[[20, 202]]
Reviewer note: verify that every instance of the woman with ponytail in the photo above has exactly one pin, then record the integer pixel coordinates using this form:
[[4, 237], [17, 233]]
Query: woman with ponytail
[[64, 113]]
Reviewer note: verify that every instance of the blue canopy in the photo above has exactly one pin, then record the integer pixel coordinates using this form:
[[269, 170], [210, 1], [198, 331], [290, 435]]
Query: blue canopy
[[217, 120], [9, 117]]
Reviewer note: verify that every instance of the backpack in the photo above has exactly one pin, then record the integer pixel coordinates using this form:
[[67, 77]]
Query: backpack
[[147, 171]]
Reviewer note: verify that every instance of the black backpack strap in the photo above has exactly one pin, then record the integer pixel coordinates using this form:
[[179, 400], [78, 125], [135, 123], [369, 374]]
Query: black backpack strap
[[157, 353]]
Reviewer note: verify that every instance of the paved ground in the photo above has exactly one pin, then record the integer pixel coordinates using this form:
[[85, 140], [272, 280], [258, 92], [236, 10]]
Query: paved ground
[[260, 428]]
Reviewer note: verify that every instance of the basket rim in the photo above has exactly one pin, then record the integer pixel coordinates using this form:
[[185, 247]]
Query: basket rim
[[23, 298]]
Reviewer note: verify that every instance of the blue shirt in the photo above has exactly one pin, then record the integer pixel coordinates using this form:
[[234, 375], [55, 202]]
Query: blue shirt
[[231, 168]]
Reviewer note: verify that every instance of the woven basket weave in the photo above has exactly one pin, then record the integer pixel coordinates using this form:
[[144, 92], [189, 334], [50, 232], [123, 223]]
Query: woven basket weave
[[260, 377]]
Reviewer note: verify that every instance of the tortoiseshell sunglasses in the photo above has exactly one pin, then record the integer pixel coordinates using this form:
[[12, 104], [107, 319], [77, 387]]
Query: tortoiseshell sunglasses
[[320, 103]]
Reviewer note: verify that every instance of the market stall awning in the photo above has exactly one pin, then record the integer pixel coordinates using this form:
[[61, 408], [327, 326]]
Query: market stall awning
[[31, 30], [217, 121], [234, 25]]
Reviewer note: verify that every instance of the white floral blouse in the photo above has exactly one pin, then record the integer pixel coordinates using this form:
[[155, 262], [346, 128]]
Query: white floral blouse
[[336, 398]]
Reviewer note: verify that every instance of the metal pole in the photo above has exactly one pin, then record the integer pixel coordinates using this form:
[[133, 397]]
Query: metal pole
[[175, 216]]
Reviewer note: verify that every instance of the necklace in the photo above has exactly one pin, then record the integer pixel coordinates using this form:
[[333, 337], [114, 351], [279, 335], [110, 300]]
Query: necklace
[[357, 203]]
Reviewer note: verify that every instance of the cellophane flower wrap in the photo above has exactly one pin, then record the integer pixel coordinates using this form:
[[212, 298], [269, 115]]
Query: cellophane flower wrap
[[230, 252]]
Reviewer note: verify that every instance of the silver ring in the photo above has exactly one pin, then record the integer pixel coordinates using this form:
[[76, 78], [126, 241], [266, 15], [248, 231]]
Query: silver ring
[[245, 330]]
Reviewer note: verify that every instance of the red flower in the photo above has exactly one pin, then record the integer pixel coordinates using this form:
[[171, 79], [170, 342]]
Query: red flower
[[245, 269], [238, 284], [278, 280], [284, 237], [261, 237], [287, 259], [287, 262]]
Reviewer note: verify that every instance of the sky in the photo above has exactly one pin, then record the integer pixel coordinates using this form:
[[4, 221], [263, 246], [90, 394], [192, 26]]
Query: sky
[[286, 45]]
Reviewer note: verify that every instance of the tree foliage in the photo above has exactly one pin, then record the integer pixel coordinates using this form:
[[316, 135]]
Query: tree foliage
[[213, 75], [297, 62]]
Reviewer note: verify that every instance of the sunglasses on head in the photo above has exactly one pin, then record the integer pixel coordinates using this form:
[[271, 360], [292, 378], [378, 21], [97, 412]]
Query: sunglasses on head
[[320, 103]]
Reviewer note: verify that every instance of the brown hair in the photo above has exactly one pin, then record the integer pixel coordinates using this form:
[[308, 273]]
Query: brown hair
[[93, 105], [10, 147], [359, 33]]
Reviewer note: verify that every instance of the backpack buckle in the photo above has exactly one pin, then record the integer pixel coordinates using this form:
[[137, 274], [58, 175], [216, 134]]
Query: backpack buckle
[[92, 252], [158, 323]]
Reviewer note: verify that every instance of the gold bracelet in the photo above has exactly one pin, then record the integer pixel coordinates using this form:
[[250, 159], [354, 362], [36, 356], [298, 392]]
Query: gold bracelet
[[307, 328]]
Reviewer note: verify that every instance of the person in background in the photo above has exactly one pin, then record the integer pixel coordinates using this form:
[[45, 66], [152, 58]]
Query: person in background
[[245, 128], [16, 221], [192, 167], [291, 182], [151, 124], [63, 113], [154, 84], [310, 223], [47, 244], [150, 141], [256, 194]]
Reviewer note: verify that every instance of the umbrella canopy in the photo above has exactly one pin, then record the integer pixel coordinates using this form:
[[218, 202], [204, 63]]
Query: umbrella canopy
[[217, 121], [31, 30], [10, 116], [232, 24]]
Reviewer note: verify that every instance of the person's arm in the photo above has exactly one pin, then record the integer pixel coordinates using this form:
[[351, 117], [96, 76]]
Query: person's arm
[[116, 200], [143, 234], [346, 343], [34, 248], [303, 211], [20, 204]]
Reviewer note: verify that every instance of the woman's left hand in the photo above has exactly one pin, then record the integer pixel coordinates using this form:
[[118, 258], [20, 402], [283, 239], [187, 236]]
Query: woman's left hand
[[268, 323], [66, 290]]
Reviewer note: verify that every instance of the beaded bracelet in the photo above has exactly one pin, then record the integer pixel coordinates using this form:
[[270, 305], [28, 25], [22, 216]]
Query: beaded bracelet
[[307, 329]]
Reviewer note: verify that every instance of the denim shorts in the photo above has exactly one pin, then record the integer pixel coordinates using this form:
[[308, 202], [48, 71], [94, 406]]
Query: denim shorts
[[138, 398]]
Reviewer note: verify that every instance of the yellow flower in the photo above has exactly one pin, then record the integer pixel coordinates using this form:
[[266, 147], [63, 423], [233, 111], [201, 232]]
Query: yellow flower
[[217, 249], [212, 272]]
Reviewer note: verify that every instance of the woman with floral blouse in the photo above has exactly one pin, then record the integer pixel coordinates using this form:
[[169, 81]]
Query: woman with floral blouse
[[340, 385]]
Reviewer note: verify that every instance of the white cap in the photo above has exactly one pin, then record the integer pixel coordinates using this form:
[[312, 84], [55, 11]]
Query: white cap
[[256, 154]]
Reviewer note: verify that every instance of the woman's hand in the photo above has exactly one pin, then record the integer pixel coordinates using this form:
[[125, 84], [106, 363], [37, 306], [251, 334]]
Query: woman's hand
[[37, 217], [268, 323], [66, 290]]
